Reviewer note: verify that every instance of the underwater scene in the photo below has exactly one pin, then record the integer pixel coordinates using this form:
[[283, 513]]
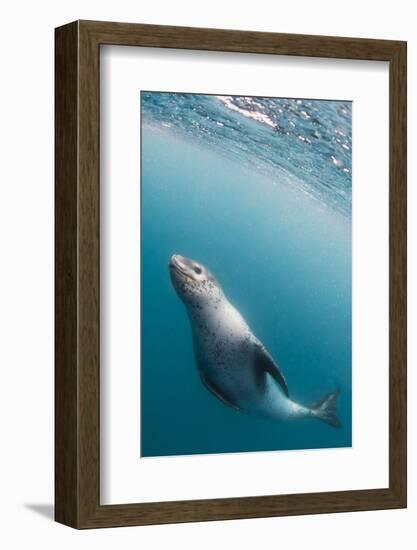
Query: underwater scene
[[246, 257]]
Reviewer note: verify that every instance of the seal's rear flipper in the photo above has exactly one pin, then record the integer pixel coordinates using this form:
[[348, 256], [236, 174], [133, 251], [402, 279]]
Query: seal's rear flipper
[[326, 409]]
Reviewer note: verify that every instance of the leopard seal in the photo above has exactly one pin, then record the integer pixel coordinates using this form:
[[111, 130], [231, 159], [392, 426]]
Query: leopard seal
[[233, 364]]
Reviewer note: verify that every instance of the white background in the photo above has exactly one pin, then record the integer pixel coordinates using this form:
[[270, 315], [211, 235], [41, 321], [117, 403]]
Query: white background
[[125, 478], [26, 290]]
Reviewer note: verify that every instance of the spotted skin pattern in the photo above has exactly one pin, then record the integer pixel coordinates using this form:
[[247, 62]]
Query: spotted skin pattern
[[233, 364]]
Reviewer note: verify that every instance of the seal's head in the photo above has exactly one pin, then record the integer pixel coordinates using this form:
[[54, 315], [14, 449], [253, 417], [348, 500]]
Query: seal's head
[[194, 283]]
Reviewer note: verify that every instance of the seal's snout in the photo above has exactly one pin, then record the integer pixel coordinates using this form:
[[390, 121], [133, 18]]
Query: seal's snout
[[175, 260], [178, 266]]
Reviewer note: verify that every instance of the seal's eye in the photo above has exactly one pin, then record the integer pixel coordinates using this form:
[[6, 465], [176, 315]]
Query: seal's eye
[[197, 269]]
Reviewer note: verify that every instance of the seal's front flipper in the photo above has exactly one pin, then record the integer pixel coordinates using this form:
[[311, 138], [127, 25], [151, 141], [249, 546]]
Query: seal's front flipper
[[264, 363], [326, 409], [216, 392]]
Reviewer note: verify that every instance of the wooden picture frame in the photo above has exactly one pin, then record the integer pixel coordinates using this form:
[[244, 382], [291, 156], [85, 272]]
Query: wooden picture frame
[[77, 382]]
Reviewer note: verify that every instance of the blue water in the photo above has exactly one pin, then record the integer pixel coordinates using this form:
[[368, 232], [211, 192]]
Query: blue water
[[229, 182]]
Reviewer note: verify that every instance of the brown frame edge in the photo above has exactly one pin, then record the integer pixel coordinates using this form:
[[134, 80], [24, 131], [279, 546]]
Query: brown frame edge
[[77, 376]]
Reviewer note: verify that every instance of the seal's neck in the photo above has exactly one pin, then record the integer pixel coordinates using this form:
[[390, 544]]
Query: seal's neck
[[206, 307]]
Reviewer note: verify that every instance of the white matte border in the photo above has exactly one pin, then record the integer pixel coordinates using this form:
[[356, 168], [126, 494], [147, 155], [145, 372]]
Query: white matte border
[[125, 477]]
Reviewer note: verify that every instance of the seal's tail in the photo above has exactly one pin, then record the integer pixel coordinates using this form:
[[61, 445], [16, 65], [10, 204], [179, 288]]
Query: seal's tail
[[326, 409]]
